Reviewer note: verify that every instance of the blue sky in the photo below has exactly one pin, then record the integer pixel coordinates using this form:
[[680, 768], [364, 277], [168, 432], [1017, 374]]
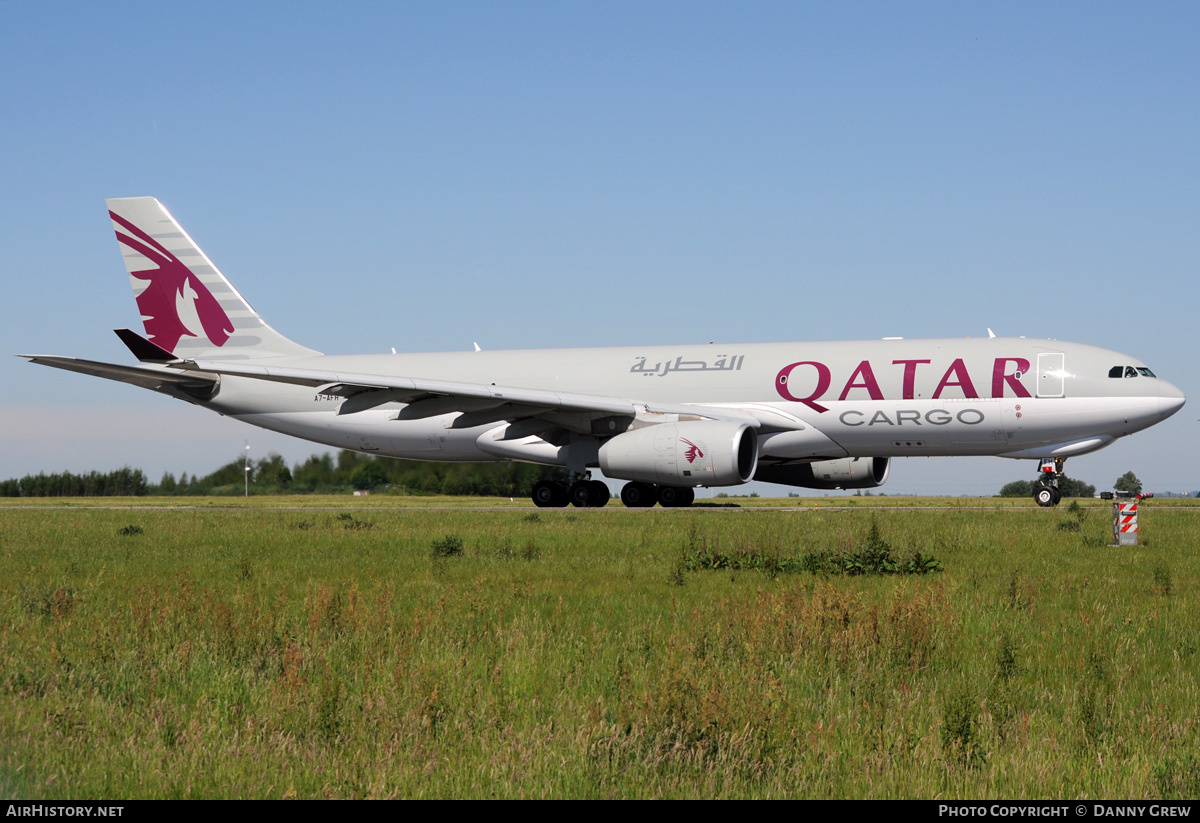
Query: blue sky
[[550, 174]]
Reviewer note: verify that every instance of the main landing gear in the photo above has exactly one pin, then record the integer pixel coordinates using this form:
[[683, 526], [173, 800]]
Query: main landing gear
[[637, 495], [593, 494], [583, 493], [1045, 491]]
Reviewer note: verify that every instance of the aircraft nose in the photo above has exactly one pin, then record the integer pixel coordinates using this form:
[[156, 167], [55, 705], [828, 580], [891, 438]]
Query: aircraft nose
[[1170, 399]]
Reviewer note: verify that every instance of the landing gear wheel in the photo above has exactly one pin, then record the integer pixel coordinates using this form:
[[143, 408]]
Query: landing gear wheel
[[1057, 495], [581, 494], [639, 495], [548, 494], [672, 497], [1046, 496], [599, 496]]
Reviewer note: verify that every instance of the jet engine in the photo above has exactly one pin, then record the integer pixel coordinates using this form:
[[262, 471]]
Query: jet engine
[[843, 473], [692, 453]]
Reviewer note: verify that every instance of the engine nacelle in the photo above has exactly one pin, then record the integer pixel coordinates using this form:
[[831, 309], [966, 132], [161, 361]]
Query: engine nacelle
[[692, 453], [843, 473]]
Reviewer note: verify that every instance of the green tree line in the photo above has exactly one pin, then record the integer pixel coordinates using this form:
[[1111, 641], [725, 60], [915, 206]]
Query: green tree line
[[320, 473], [124, 482]]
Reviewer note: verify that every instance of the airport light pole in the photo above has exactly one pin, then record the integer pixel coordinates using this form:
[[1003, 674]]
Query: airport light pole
[[247, 468]]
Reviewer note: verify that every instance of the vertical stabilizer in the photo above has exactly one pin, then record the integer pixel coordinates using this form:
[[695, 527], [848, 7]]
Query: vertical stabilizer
[[188, 307]]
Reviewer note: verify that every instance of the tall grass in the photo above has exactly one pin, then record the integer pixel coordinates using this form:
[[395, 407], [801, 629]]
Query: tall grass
[[414, 653]]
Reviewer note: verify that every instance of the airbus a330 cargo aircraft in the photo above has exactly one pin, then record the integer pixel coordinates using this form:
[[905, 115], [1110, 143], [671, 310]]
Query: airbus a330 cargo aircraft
[[667, 419]]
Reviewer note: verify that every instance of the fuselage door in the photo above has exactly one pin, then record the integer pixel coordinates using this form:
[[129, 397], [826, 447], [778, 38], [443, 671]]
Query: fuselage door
[[1051, 372]]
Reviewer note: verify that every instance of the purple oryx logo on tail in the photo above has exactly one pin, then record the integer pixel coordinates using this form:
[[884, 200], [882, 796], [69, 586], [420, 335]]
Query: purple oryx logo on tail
[[169, 286], [693, 452]]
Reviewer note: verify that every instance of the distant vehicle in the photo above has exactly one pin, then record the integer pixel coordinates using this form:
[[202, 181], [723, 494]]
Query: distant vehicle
[[667, 419]]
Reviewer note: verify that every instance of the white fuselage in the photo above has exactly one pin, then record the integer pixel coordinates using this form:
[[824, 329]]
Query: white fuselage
[[890, 398]]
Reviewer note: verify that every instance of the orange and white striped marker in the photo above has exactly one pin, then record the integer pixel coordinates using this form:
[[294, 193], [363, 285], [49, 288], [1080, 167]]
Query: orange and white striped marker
[[1125, 524]]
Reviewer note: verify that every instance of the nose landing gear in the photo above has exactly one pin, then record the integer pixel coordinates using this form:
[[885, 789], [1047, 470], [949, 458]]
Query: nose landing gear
[[1045, 491]]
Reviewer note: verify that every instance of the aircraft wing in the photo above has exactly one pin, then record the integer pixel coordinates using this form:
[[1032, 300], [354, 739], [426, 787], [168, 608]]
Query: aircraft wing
[[479, 403]]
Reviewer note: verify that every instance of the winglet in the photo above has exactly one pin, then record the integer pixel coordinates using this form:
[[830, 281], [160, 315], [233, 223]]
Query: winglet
[[143, 349]]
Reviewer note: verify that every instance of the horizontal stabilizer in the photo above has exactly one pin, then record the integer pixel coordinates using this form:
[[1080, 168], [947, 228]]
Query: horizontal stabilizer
[[198, 385]]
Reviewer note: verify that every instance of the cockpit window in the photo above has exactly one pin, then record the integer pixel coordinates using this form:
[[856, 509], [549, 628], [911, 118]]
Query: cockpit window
[[1130, 371]]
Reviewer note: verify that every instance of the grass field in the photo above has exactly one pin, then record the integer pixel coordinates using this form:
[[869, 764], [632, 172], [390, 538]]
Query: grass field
[[386, 647]]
